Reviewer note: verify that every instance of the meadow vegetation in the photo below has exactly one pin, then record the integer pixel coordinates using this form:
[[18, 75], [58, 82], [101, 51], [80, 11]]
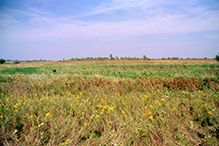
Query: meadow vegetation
[[143, 102]]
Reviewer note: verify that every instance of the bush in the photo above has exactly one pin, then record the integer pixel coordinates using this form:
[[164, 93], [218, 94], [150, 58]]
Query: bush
[[175, 58], [2, 61], [217, 57]]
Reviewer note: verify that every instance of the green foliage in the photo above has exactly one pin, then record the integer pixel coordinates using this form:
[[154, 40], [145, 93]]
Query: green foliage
[[26, 70], [111, 57], [175, 58], [128, 70], [145, 58], [217, 57], [2, 61]]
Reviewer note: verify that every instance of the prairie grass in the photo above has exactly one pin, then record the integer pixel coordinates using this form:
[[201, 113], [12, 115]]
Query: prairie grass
[[107, 103]]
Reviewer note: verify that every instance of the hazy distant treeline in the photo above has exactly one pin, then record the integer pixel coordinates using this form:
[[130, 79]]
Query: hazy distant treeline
[[128, 58], [106, 58]]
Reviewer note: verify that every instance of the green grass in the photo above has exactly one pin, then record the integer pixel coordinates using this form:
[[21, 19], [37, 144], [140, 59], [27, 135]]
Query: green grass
[[123, 70], [26, 70], [110, 104]]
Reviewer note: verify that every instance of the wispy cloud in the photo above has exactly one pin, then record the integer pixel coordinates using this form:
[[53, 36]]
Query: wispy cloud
[[212, 36], [35, 11], [113, 7], [44, 25]]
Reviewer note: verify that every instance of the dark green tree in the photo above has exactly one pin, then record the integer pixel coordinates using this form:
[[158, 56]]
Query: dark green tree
[[2, 61], [111, 57], [145, 58], [217, 57]]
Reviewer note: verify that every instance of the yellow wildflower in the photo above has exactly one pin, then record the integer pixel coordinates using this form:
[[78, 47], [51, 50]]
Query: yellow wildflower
[[149, 112], [47, 114], [16, 106], [97, 116], [31, 116], [85, 124], [209, 113], [112, 108], [161, 100], [1, 117], [99, 106], [174, 108], [105, 107], [151, 117]]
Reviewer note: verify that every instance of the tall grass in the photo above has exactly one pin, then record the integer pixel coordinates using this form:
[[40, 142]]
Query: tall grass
[[110, 104]]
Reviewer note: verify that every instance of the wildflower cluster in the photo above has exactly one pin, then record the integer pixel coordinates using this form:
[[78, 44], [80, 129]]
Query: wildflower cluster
[[105, 108]]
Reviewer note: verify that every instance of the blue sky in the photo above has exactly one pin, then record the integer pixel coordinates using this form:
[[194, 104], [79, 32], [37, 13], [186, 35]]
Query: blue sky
[[62, 29]]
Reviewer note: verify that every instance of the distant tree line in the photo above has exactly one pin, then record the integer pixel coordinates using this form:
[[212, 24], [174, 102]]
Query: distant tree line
[[18, 61], [108, 58], [129, 58]]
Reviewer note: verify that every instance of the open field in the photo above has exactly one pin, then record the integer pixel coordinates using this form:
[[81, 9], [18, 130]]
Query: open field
[[153, 102]]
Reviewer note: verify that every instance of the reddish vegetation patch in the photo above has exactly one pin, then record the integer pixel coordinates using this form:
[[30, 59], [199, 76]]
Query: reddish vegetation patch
[[191, 83], [140, 84]]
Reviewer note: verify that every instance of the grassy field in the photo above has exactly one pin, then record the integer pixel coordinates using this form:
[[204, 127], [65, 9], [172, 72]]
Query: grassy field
[[155, 102]]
